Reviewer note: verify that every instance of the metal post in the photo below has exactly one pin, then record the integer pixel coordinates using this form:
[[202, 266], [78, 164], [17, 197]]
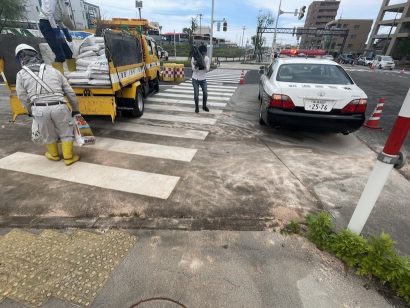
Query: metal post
[[175, 48], [200, 24], [344, 41], [274, 34], [212, 32], [243, 34], [390, 157], [139, 12]]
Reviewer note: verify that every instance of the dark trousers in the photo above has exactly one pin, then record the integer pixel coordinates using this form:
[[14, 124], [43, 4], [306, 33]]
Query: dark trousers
[[58, 46], [196, 84]]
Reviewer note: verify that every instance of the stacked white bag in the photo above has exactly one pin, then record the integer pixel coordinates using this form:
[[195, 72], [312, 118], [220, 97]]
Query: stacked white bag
[[92, 64]]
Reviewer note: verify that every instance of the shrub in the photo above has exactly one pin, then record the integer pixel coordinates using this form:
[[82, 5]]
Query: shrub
[[374, 257], [292, 228], [320, 229], [349, 247]]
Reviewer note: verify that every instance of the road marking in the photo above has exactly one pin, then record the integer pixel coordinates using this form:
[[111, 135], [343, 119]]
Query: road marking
[[176, 118], [182, 101], [126, 180], [177, 108], [145, 149], [192, 91], [154, 130], [190, 83], [210, 89], [211, 98]]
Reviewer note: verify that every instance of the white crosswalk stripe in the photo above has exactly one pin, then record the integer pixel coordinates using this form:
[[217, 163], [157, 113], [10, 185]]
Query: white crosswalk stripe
[[220, 86], [126, 180], [175, 118], [210, 98], [181, 101], [178, 108], [145, 149], [154, 130], [192, 91], [210, 89]]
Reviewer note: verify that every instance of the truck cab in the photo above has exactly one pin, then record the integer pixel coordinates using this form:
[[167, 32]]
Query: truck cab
[[152, 65]]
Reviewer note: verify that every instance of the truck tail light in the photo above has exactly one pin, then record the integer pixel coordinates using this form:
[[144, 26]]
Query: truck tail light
[[356, 106], [281, 101]]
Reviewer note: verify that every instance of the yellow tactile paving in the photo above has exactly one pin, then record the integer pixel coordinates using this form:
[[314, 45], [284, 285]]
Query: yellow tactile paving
[[70, 267]]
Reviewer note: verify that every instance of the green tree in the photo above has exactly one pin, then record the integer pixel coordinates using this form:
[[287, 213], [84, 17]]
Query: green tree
[[264, 20], [10, 10], [191, 30]]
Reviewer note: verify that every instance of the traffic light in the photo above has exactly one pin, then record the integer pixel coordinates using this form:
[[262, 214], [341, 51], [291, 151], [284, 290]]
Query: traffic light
[[302, 12], [218, 26], [225, 26]]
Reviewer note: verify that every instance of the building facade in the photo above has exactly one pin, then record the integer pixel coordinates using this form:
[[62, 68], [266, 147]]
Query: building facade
[[359, 30], [391, 30], [92, 14], [77, 14], [319, 14]]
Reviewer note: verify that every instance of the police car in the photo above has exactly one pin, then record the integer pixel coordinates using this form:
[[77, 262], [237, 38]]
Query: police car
[[310, 94]]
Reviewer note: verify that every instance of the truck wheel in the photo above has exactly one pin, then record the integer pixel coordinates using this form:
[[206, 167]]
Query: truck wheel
[[138, 106]]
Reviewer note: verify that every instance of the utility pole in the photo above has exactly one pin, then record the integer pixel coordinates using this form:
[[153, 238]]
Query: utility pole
[[200, 24], [243, 34], [212, 32], [276, 28]]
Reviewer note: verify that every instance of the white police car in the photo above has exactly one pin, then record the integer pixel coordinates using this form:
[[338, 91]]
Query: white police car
[[310, 94]]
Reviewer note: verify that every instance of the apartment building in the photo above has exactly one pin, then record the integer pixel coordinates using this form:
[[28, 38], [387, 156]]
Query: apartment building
[[318, 15], [359, 30]]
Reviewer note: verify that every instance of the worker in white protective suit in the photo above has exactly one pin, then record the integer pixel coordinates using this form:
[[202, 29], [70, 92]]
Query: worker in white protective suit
[[41, 89], [50, 25]]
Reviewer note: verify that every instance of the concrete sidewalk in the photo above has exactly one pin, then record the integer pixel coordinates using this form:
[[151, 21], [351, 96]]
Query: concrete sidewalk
[[207, 269]]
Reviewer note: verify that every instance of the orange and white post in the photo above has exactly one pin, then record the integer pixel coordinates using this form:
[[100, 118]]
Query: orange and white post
[[389, 158]]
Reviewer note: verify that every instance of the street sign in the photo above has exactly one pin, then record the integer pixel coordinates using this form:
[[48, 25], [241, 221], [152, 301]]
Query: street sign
[[138, 4]]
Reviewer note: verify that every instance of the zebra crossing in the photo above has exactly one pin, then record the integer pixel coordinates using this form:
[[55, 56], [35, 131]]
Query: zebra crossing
[[378, 71], [223, 76], [168, 114]]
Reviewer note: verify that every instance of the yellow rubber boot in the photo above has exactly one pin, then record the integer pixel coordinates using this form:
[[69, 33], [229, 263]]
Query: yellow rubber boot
[[52, 152], [71, 65], [69, 158], [58, 66]]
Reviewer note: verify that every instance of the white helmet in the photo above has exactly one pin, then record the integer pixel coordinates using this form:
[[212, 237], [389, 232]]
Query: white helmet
[[23, 47]]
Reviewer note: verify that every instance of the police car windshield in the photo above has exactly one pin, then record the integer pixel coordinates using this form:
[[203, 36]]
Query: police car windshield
[[313, 73]]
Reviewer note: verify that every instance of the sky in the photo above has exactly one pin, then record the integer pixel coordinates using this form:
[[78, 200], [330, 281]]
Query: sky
[[177, 14]]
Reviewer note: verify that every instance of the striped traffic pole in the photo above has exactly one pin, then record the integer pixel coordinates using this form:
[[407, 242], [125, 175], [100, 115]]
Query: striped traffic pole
[[389, 158]]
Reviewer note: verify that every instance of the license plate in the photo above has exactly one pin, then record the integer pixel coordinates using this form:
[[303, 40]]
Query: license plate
[[318, 105]]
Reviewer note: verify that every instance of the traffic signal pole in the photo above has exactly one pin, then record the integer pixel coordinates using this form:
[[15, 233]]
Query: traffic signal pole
[[389, 158]]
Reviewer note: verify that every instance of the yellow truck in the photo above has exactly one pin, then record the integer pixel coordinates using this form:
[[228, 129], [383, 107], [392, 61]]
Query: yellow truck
[[133, 69]]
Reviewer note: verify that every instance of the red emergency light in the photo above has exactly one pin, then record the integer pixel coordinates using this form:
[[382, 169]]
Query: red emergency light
[[306, 52]]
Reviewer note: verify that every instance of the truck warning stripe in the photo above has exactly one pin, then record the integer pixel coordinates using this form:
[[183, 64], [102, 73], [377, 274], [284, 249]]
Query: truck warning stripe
[[125, 180]]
